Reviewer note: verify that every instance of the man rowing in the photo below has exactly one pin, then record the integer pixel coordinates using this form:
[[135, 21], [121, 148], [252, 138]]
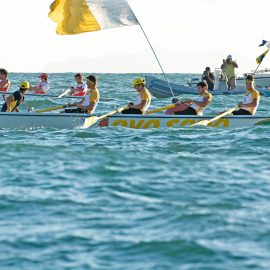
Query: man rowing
[[194, 106], [14, 100], [89, 103], [43, 86], [80, 88], [143, 99], [251, 99]]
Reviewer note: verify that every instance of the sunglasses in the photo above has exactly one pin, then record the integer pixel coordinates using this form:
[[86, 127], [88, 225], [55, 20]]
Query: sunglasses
[[87, 80]]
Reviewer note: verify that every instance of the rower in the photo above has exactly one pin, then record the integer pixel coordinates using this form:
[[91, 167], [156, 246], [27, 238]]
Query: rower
[[251, 99], [89, 103], [14, 100], [194, 106], [143, 100], [43, 87], [4, 81], [80, 88]]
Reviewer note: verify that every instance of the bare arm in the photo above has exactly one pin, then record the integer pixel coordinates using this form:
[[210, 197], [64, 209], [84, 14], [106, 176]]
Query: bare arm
[[203, 104], [140, 106], [210, 79], [10, 99], [254, 103], [87, 108], [79, 103], [33, 88], [234, 64]]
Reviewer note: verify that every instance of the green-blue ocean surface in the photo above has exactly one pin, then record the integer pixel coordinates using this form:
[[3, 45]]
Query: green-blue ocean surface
[[117, 199]]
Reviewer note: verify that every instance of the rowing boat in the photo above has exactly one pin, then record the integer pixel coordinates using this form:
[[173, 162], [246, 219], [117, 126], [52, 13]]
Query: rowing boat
[[71, 120], [177, 121], [160, 89], [37, 120]]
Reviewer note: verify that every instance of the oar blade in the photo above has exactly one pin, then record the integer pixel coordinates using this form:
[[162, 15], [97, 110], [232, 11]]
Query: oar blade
[[201, 123], [207, 122], [89, 121], [263, 122]]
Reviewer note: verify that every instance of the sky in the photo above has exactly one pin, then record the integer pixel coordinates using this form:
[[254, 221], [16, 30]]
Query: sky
[[187, 36]]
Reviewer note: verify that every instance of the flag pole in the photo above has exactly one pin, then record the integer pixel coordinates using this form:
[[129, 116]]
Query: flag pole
[[256, 69], [165, 76]]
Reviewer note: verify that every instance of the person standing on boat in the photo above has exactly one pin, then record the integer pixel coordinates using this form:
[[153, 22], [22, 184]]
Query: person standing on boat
[[228, 67], [209, 77], [14, 100], [4, 81], [194, 106], [143, 99], [80, 88], [89, 103], [43, 87], [251, 99]]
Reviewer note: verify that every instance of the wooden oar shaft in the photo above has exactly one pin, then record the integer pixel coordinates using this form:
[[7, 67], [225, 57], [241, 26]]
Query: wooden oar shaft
[[89, 121], [161, 109], [223, 114], [64, 93], [51, 109], [112, 112]]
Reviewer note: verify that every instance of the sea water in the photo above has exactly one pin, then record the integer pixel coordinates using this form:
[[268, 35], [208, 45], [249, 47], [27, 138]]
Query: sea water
[[115, 198]]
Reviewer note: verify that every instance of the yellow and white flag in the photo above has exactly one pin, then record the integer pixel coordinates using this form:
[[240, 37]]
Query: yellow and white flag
[[79, 16]]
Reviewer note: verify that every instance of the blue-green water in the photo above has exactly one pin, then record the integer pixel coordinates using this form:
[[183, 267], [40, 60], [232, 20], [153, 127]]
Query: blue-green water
[[115, 198]]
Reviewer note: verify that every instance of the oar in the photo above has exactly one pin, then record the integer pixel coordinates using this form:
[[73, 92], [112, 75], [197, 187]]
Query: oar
[[89, 121], [64, 93], [26, 106], [51, 109], [207, 122], [161, 109]]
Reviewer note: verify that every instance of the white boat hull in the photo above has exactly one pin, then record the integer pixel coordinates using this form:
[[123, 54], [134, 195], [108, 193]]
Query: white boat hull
[[160, 89], [177, 121], [37, 120], [70, 121]]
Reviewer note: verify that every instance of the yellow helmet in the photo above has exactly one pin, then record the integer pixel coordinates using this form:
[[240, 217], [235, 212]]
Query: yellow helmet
[[138, 81], [24, 85]]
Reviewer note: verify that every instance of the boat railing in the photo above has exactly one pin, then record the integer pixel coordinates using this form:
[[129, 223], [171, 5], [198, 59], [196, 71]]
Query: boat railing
[[220, 80]]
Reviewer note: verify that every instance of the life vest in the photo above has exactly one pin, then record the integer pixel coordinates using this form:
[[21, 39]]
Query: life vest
[[144, 95], [18, 98], [93, 96], [199, 110], [248, 98], [42, 88], [80, 90], [4, 89]]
